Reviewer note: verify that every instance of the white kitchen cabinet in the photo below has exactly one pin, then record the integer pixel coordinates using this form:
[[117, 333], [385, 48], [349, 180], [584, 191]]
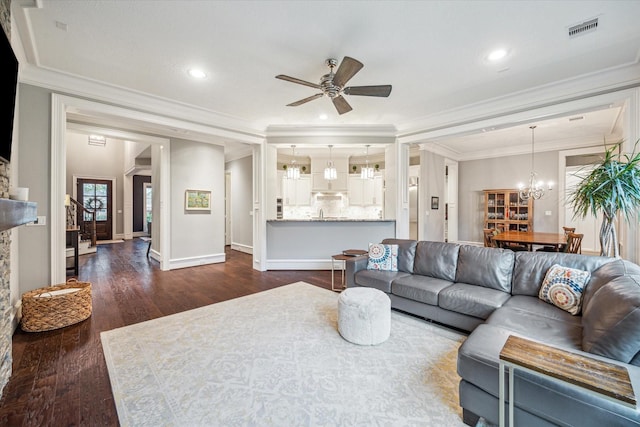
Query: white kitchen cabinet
[[296, 192], [355, 190], [321, 184], [365, 192], [280, 179]]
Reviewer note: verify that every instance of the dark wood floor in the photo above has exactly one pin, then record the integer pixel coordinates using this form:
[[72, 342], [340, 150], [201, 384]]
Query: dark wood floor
[[60, 377]]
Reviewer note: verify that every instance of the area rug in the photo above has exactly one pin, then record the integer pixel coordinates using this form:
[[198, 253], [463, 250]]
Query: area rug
[[275, 358]]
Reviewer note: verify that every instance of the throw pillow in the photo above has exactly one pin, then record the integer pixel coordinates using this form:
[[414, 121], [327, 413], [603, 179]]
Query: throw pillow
[[563, 287], [383, 257]]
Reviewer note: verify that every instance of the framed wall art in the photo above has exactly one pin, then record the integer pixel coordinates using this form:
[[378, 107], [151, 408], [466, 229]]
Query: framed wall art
[[197, 200]]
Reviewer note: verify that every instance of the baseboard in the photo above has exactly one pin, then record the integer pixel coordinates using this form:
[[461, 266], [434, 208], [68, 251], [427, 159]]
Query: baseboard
[[242, 248], [196, 261], [301, 264]]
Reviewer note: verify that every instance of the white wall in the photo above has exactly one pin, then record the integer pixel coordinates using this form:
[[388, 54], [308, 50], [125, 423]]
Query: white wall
[[503, 173], [197, 237], [91, 161], [241, 203], [34, 172], [432, 184]]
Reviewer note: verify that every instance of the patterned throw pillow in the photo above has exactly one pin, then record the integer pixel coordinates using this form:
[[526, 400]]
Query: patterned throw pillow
[[563, 287], [383, 257]]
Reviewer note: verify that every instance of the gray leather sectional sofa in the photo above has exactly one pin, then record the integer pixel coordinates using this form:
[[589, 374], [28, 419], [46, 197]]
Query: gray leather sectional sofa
[[493, 293]]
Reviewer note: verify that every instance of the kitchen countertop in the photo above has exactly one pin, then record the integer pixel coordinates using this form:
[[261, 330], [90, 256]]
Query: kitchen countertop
[[331, 220]]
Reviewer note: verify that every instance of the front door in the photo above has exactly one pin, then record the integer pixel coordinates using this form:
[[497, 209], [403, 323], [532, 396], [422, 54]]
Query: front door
[[95, 195]]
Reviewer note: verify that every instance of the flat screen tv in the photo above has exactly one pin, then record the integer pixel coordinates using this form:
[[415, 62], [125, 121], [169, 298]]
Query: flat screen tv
[[9, 65]]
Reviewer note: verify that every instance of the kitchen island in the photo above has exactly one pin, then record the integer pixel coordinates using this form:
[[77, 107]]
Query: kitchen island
[[308, 244]]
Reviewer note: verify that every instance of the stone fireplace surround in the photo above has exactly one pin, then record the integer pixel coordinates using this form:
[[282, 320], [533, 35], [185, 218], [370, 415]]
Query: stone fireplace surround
[[6, 326]]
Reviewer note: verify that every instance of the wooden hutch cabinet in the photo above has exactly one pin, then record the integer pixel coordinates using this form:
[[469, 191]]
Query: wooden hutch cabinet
[[504, 208]]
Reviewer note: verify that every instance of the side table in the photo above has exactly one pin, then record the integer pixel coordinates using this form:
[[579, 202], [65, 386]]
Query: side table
[[596, 376], [343, 257]]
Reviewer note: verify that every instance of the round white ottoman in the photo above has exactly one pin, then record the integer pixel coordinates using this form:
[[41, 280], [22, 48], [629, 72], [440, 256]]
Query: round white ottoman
[[364, 316]]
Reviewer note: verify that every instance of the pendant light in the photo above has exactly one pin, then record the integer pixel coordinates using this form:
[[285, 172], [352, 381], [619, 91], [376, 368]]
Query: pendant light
[[330, 172], [293, 171], [536, 189], [367, 172]]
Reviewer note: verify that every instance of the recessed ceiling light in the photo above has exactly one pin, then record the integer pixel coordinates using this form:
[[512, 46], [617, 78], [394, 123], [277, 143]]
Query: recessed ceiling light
[[197, 73], [497, 55], [323, 117]]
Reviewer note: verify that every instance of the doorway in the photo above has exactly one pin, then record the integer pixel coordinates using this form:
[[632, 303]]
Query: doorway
[[96, 195], [148, 207], [573, 165]]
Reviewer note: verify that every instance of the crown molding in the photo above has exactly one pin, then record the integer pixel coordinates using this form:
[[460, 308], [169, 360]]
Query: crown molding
[[385, 131], [523, 103], [204, 120]]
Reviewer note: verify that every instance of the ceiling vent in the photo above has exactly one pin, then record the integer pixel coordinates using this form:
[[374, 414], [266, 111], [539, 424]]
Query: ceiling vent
[[584, 28]]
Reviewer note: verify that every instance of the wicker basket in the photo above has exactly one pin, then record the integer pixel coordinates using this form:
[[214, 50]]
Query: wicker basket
[[44, 311]]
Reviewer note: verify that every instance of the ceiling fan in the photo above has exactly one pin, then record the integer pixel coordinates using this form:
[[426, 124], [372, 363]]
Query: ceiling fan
[[333, 85]]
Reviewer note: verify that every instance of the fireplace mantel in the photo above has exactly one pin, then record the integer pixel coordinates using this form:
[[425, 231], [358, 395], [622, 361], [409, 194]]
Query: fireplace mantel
[[14, 213]]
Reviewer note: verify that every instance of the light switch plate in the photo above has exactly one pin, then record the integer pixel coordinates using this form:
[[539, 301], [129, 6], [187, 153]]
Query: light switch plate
[[547, 213], [41, 220]]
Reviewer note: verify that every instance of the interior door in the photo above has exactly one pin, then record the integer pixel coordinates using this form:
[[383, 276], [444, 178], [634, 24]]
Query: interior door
[[96, 195]]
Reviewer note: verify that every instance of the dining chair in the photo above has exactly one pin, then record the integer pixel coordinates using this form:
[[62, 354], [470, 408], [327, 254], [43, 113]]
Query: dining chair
[[488, 234], [561, 248], [574, 243]]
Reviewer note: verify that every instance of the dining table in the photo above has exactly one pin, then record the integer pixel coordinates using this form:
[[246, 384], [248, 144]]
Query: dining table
[[530, 238]]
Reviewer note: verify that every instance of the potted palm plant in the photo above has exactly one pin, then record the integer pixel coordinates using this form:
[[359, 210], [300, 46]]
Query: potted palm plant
[[612, 188]]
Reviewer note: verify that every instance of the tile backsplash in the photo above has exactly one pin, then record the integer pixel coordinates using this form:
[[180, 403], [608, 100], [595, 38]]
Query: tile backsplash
[[332, 206]]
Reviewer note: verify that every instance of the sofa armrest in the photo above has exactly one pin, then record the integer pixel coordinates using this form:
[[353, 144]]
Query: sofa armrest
[[352, 266]]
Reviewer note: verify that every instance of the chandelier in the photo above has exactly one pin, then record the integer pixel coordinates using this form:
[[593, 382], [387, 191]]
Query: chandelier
[[293, 171], [330, 172], [367, 172], [536, 189]]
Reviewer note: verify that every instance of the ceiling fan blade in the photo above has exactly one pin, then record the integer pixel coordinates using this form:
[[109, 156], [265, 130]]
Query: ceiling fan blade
[[302, 101], [382, 90], [300, 82], [341, 105], [347, 69]]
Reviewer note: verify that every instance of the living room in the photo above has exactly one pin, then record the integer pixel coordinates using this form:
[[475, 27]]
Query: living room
[[200, 133]]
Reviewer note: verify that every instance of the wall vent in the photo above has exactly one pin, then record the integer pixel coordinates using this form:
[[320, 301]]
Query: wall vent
[[584, 28]]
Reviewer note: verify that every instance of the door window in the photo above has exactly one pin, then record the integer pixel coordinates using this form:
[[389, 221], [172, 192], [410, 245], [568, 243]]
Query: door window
[[95, 197]]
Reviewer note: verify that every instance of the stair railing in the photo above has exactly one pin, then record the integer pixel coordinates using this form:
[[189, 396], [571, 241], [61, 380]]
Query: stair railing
[[76, 219]]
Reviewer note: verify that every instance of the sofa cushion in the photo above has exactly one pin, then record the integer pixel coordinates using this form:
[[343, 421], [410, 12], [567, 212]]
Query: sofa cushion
[[471, 300], [563, 287], [437, 259], [611, 320], [383, 257], [531, 267], [606, 273], [487, 267], [378, 279], [552, 330], [540, 308], [406, 253], [419, 288]]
